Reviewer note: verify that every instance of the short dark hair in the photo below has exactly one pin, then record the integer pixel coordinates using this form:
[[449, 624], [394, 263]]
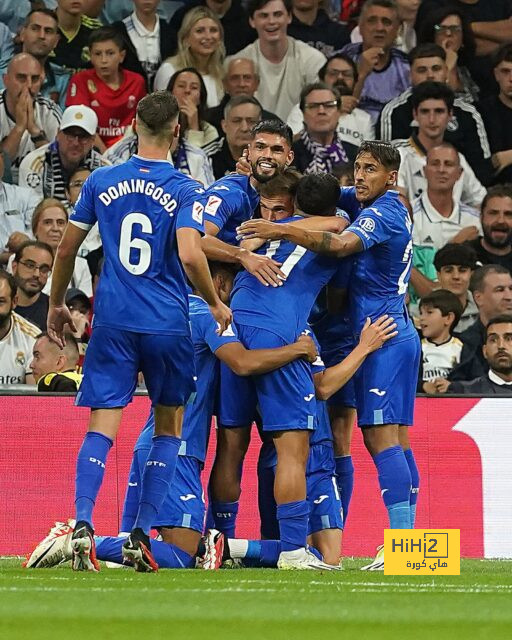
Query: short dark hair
[[69, 339], [447, 302], [102, 34], [386, 4], [203, 94], [504, 54], [383, 152], [9, 278], [318, 86], [157, 110], [32, 243], [47, 12], [338, 56], [426, 50], [426, 33], [318, 194], [278, 127], [497, 191], [503, 318], [430, 90], [236, 101], [284, 182], [256, 5], [455, 253], [477, 282]]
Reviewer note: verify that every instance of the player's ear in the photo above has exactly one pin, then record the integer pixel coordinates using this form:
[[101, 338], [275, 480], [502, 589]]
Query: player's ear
[[134, 126], [392, 178], [223, 125], [289, 158]]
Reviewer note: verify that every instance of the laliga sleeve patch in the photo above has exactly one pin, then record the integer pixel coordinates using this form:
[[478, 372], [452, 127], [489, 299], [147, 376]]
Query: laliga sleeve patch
[[197, 212], [212, 205], [367, 224]]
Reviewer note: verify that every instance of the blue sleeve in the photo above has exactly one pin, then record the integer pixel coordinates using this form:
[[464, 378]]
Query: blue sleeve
[[349, 203], [190, 210], [84, 214], [372, 227], [210, 335], [217, 210], [341, 277]]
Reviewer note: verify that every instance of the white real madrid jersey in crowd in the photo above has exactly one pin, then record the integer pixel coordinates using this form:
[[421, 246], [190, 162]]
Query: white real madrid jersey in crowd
[[439, 359], [16, 351]]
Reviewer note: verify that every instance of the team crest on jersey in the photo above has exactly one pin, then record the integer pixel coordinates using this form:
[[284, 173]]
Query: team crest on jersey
[[73, 89], [20, 359], [33, 180], [91, 86], [131, 102], [212, 205], [197, 212], [367, 224]]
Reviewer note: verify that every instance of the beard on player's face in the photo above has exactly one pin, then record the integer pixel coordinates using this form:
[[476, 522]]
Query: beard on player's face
[[5, 319], [264, 169]]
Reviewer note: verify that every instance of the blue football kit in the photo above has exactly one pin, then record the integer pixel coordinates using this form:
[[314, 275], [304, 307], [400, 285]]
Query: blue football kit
[[230, 201], [184, 503], [268, 317], [384, 384], [141, 306]]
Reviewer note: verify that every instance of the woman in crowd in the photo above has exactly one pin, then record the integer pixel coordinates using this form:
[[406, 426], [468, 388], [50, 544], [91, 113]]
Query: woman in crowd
[[449, 28], [200, 45]]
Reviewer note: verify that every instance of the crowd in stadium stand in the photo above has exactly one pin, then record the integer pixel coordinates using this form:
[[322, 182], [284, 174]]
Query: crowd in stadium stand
[[434, 77]]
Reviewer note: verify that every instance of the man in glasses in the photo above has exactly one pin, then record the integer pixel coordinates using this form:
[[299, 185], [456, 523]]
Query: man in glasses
[[319, 147], [47, 170], [31, 267]]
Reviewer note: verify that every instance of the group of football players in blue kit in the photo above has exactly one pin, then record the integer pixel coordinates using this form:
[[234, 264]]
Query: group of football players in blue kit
[[151, 219]]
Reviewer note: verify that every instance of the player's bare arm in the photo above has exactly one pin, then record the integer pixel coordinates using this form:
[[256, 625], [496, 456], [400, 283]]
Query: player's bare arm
[[195, 264], [58, 314], [373, 336], [265, 269], [325, 242], [250, 362]]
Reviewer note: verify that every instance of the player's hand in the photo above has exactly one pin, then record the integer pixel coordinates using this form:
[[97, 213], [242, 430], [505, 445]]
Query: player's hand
[[369, 59], [243, 167], [307, 347], [468, 233], [58, 318], [265, 269], [223, 315], [261, 229], [81, 322], [375, 334]]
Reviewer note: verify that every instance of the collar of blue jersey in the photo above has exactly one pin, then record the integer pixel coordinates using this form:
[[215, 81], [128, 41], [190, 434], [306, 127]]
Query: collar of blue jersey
[[493, 377], [141, 159]]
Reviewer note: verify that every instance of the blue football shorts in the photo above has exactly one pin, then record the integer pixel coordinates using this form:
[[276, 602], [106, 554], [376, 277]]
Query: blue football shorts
[[285, 397], [114, 358], [386, 384]]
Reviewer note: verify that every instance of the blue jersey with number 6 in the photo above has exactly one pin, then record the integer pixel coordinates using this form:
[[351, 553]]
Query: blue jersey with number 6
[[139, 206], [381, 272], [282, 310]]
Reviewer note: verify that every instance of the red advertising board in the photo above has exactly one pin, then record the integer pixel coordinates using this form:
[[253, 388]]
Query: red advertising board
[[462, 448]]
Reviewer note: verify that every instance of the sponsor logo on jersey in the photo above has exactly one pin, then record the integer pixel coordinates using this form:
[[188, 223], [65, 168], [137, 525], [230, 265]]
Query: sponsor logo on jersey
[[212, 205], [189, 496], [378, 392], [309, 397], [320, 499], [197, 212], [367, 224]]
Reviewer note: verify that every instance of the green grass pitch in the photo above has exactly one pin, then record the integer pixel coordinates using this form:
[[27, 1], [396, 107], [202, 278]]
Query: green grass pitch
[[255, 604]]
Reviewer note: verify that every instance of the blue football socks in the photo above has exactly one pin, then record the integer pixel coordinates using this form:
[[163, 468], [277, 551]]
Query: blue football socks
[[167, 556], [158, 475], [395, 485], [224, 516], [415, 484], [90, 469], [293, 524], [345, 482]]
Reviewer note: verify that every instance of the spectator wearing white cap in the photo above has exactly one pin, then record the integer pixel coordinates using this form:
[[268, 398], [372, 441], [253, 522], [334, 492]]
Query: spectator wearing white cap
[[47, 169]]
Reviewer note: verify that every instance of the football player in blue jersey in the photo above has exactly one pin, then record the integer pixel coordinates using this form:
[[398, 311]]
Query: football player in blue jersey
[[150, 219], [268, 316], [233, 198], [326, 520], [380, 240], [180, 519]]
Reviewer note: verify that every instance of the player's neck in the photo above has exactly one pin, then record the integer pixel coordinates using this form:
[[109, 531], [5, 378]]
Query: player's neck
[[113, 80], [148, 20], [505, 100], [306, 16], [152, 151], [67, 22], [5, 326], [442, 201], [463, 299], [274, 51], [429, 143]]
